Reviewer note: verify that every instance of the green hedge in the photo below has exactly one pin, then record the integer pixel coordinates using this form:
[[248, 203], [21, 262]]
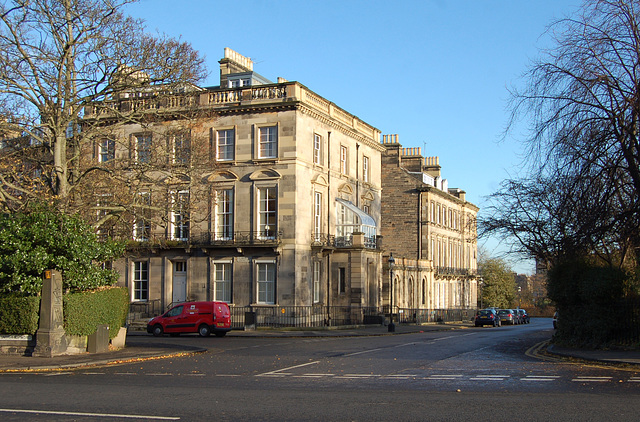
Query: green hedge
[[588, 299], [84, 311], [19, 315]]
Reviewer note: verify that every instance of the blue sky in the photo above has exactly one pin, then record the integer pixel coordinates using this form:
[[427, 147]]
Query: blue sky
[[435, 72]]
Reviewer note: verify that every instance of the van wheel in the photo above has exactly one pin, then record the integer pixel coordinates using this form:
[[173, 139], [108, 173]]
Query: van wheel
[[204, 330], [157, 330], [220, 333]]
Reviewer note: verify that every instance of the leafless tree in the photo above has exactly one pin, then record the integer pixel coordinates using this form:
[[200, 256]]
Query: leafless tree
[[63, 62], [582, 194]]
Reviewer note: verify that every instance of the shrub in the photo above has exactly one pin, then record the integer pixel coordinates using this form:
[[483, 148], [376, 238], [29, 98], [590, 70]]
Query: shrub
[[84, 311], [19, 315], [43, 238], [587, 298]]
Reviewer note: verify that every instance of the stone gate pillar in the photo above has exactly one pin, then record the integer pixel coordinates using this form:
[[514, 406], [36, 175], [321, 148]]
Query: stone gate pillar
[[50, 338]]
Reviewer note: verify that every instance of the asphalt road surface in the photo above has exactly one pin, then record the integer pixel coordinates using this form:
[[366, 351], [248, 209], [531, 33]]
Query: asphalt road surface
[[475, 374]]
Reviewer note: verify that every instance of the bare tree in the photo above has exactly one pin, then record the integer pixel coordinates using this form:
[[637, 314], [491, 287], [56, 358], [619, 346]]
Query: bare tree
[[582, 195], [64, 61]]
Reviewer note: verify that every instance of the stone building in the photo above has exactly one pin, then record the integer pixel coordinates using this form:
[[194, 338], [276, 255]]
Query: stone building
[[431, 231], [287, 214]]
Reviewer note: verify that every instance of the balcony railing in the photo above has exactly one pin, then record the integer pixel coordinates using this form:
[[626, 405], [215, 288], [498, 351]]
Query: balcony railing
[[453, 271], [159, 101], [238, 238], [332, 241], [235, 239]]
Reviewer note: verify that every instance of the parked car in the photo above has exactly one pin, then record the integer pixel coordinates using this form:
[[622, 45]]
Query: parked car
[[517, 317], [203, 318], [487, 317], [555, 320], [508, 316], [524, 316]]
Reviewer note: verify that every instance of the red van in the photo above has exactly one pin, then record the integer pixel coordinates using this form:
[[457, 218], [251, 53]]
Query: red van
[[203, 318]]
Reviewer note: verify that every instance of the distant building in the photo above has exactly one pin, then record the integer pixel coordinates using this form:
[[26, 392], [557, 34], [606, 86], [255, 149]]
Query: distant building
[[431, 231]]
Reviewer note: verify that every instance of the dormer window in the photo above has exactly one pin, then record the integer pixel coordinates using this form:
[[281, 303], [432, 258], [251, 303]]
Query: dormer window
[[239, 82]]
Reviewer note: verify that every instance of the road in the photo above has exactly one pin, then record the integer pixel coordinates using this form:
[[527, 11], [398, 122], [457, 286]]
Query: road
[[472, 374]]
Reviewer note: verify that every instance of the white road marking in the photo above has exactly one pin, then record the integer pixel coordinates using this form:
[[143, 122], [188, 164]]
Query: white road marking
[[489, 378], [592, 379], [94, 415], [286, 369], [444, 377], [361, 375], [400, 375], [539, 378]]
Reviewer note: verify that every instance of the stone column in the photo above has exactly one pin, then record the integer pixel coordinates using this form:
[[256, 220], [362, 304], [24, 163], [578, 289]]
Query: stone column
[[50, 338]]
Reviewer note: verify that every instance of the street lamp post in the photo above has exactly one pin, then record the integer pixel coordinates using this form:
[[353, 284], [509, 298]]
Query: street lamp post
[[392, 327], [481, 285]]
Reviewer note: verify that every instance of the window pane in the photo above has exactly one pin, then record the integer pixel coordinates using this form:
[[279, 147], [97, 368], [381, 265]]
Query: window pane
[[143, 149], [268, 142], [226, 141], [107, 150], [365, 169], [317, 215], [141, 281], [224, 214], [181, 149], [223, 282], [317, 149], [267, 213], [266, 283], [316, 282], [142, 223], [180, 216]]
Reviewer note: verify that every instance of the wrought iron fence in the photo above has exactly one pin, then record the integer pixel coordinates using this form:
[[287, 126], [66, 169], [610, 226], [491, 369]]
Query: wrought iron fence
[[316, 316], [419, 316], [323, 316], [301, 316], [143, 310]]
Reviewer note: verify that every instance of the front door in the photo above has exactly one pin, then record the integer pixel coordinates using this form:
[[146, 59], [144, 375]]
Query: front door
[[179, 281]]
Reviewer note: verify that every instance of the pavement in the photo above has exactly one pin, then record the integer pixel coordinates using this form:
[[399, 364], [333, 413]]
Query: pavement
[[136, 351]]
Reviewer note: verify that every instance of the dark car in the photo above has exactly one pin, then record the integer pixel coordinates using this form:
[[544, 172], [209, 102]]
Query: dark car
[[508, 316], [524, 316], [487, 317]]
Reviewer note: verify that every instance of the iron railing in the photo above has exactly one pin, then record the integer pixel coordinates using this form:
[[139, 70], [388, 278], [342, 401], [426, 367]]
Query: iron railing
[[316, 316], [453, 271], [420, 316], [300, 316], [323, 316], [332, 241], [144, 310], [208, 239]]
